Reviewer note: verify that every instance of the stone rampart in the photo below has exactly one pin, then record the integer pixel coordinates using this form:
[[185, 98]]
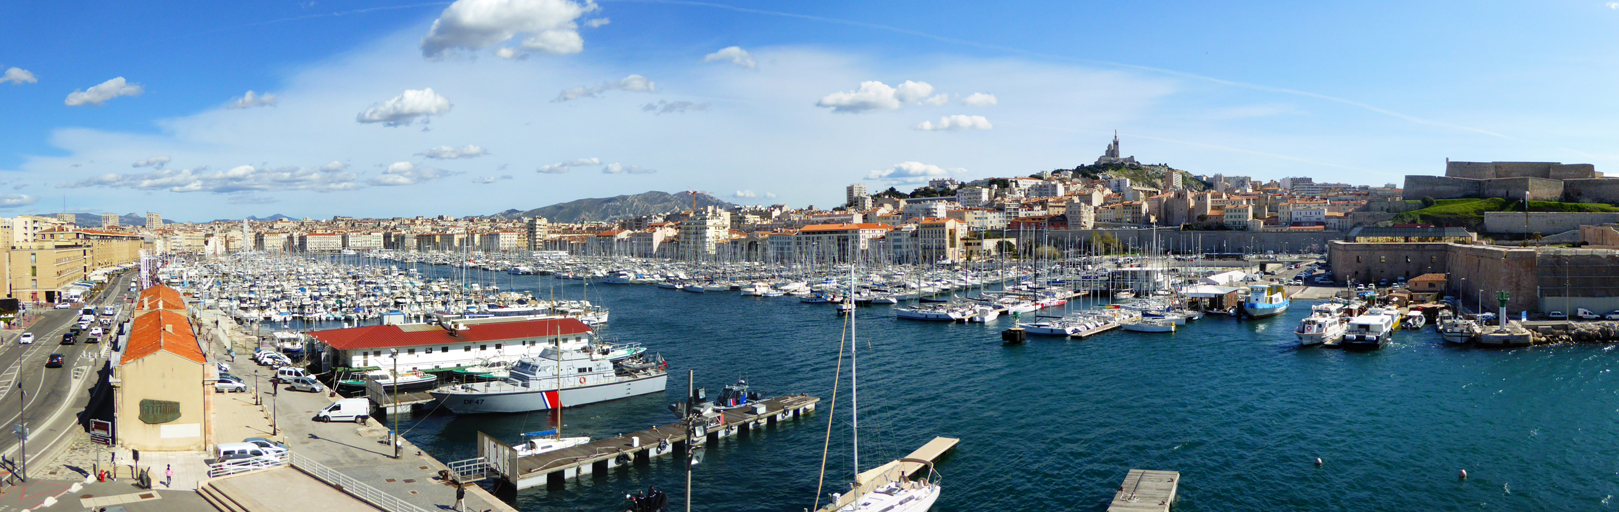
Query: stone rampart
[[1523, 169], [1541, 189], [1441, 187], [1573, 172], [1470, 170], [1545, 223], [1594, 190], [1605, 236], [1372, 262], [1488, 269]]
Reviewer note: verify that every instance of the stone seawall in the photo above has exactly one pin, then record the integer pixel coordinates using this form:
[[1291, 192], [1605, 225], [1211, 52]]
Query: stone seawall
[[1175, 240], [1545, 223]]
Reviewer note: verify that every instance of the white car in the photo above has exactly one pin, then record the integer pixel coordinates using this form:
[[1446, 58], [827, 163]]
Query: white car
[[1612, 315], [95, 331], [27, 338], [229, 386], [1557, 315]]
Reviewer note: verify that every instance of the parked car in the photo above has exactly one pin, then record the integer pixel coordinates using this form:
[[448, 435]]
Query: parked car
[[63, 305], [1612, 315], [27, 338], [1557, 315], [267, 445], [1586, 314], [229, 386], [306, 384], [54, 361]]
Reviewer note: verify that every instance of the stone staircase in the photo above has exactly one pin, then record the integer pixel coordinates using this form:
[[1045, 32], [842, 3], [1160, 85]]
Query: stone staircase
[[220, 493]]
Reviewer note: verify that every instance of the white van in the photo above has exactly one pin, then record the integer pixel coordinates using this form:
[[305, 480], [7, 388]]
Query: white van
[[348, 409], [288, 373]]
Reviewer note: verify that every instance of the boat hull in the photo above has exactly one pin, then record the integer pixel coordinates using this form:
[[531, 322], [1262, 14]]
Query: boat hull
[[539, 399], [1264, 310]]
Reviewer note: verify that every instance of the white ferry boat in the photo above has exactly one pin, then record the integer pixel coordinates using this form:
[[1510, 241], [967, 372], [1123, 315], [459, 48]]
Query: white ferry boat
[[1371, 330], [1326, 324]]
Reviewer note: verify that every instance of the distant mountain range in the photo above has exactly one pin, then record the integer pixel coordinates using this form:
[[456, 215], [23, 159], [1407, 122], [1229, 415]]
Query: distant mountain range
[[615, 208]]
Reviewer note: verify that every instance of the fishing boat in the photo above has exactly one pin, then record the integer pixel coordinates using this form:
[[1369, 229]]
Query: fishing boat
[[1414, 321], [1371, 330], [408, 381], [734, 396], [1457, 330], [1265, 300]]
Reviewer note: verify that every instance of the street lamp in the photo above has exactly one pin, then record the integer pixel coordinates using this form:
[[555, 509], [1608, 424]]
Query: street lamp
[[394, 353]]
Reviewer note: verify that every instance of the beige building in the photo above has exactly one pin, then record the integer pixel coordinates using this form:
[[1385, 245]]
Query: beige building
[[109, 220], [153, 221], [940, 239], [37, 271], [159, 380]]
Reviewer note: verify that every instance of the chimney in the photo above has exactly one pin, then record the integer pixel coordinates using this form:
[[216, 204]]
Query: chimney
[[169, 327]]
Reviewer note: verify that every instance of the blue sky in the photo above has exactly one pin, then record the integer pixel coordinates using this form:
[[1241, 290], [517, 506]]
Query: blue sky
[[623, 97]]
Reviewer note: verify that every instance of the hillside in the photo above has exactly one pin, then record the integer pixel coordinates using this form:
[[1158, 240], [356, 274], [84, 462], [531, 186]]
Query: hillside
[[1470, 212], [1146, 176], [615, 208]]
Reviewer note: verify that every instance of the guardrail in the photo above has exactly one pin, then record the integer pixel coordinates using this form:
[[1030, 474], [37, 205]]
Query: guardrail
[[231, 467], [353, 487]]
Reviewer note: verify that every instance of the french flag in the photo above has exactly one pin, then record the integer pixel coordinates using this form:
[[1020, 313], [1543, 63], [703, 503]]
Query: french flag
[[552, 401]]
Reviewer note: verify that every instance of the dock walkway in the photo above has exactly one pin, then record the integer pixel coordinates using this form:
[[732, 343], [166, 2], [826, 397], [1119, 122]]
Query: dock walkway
[[1146, 490], [600, 455], [894, 471]]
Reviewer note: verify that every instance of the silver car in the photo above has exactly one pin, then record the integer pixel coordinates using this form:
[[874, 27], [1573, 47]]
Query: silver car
[[305, 384]]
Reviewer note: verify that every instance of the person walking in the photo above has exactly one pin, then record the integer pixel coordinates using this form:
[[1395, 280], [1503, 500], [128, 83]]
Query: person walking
[[460, 499], [168, 476]]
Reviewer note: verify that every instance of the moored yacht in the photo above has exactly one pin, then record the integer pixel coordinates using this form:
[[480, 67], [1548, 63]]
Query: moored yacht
[[1371, 330], [1326, 324]]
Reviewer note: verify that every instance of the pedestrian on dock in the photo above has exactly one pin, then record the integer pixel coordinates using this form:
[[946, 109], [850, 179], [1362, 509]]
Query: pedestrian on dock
[[460, 498], [168, 475]]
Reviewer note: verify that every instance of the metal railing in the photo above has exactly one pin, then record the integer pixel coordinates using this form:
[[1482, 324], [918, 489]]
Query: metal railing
[[353, 487], [470, 470], [231, 467]]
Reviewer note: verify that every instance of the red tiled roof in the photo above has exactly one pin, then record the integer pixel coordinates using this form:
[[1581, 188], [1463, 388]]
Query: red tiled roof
[[388, 336], [151, 332], [843, 227], [160, 297]]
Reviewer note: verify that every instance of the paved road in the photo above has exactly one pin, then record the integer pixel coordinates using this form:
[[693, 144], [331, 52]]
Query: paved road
[[54, 395]]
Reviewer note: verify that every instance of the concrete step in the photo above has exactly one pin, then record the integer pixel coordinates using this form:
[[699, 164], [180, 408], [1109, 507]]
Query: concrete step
[[217, 499]]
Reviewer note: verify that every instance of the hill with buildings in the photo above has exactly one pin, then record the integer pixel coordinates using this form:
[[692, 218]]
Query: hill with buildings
[[93, 220], [616, 207]]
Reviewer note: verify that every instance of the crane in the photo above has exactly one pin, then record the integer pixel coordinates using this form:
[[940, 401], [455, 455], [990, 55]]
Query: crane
[[694, 198]]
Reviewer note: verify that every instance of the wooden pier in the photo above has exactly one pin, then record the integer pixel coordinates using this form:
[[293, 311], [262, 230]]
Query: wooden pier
[[391, 403], [1146, 490], [554, 467]]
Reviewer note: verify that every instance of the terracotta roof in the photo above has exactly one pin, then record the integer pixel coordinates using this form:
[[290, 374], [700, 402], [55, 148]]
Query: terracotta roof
[[162, 330], [843, 227], [389, 336], [160, 297]]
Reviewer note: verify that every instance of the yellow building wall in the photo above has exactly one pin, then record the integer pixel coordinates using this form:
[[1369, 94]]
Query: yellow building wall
[[161, 376]]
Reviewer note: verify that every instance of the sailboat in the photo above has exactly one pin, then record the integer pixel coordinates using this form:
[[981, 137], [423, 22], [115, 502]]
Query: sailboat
[[886, 488]]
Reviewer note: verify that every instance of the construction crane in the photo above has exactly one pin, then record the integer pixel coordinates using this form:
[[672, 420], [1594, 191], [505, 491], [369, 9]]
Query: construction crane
[[694, 198]]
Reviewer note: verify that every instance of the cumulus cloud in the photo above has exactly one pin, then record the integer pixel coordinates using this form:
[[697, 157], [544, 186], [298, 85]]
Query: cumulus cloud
[[252, 99], [1613, 5], [250, 199], [597, 22], [618, 168], [156, 162], [744, 194], [491, 179], [562, 167], [632, 83], [913, 172], [955, 123], [732, 54], [406, 173], [549, 27], [979, 99], [102, 92], [670, 107], [18, 76], [876, 95], [405, 108], [243, 178], [15, 200], [450, 153]]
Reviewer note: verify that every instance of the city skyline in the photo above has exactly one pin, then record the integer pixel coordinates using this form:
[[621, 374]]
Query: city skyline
[[382, 110]]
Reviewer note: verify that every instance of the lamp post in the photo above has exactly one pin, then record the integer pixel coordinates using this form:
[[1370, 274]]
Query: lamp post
[[22, 424], [394, 352]]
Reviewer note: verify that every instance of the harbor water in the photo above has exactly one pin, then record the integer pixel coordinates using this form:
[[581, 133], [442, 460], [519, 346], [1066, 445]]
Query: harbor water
[[1232, 405]]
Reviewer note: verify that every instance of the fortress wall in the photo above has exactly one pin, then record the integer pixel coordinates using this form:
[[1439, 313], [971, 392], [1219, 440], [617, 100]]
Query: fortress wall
[[1595, 190], [1539, 189], [1370, 262], [1441, 187], [1545, 223], [1573, 172], [1523, 169], [1470, 170], [1475, 268]]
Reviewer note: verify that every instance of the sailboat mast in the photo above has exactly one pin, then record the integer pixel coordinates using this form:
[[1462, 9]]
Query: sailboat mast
[[854, 388]]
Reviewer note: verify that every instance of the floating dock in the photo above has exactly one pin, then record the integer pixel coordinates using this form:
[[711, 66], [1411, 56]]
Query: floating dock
[[555, 467], [1146, 490], [896, 470]]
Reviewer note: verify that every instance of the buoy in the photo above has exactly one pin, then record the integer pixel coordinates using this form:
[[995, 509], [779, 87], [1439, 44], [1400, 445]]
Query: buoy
[[1318, 461], [1464, 474]]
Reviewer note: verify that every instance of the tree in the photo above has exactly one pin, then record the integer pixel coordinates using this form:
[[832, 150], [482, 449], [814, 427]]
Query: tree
[[1428, 202]]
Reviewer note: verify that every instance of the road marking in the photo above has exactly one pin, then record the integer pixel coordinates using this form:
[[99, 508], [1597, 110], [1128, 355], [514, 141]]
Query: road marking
[[9, 378]]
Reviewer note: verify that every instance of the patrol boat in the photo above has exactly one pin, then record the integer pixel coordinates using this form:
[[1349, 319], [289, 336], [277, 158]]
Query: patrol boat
[[560, 377]]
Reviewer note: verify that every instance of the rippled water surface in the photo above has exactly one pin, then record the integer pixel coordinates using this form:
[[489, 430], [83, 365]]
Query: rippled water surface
[[1055, 425]]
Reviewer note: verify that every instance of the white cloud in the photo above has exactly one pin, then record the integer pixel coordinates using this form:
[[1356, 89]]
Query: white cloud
[[597, 22], [491, 179], [18, 76], [744, 194], [102, 92], [617, 168], [406, 173], [670, 107], [251, 100], [874, 95], [563, 167], [15, 200], [769, 195], [450, 153], [155, 162], [980, 99], [405, 108], [242, 178], [913, 172], [1613, 5], [250, 199], [733, 54], [955, 123], [632, 83], [478, 24]]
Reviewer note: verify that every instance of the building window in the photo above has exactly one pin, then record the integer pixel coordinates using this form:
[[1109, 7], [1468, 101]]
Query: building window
[[445, 350], [584, 370], [483, 347], [497, 346], [429, 350], [1382, 259], [468, 348], [410, 352]]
